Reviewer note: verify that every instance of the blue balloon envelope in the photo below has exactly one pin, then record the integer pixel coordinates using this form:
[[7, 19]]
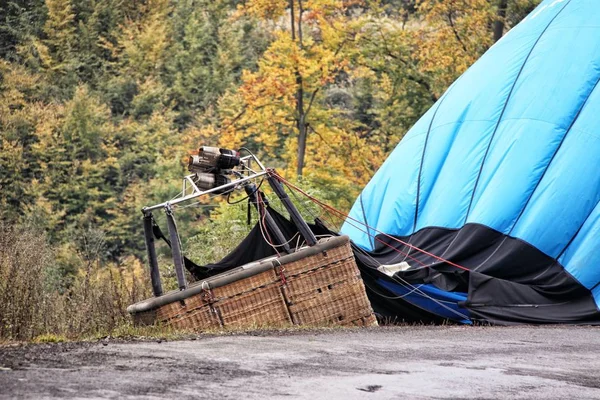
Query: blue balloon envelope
[[501, 176]]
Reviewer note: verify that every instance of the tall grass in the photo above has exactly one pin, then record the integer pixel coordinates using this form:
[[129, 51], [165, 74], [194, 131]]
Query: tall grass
[[36, 299]]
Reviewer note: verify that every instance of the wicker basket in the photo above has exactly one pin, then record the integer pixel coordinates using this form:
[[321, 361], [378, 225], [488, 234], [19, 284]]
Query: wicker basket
[[320, 285]]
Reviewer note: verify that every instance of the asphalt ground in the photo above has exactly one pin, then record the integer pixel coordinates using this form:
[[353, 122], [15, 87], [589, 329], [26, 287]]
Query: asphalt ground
[[403, 362]]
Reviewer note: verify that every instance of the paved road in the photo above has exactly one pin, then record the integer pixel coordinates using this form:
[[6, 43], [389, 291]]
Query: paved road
[[385, 363]]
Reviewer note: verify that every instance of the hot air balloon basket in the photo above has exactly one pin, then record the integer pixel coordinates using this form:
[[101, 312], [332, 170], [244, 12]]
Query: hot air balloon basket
[[315, 286]]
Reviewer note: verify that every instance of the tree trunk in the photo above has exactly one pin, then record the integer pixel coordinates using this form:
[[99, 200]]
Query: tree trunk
[[501, 17], [302, 133], [301, 113]]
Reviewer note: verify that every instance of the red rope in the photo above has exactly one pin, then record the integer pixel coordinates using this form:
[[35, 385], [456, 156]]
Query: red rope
[[390, 246], [333, 210], [262, 221]]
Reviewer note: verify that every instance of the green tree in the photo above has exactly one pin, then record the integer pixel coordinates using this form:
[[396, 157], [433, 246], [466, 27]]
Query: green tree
[[21, 111], [210, 51], [58, 50], [77, 158], [20, 21]]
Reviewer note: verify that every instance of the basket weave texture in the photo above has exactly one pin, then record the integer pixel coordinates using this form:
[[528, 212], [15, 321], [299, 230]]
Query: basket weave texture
[[321, 289]]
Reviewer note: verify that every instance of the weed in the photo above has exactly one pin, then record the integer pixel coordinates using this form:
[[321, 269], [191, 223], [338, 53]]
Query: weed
[[36, 303], [49, 338]]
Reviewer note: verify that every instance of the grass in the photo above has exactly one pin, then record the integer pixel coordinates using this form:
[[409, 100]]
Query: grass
[[129, 332], [39, 303], [49, 338]]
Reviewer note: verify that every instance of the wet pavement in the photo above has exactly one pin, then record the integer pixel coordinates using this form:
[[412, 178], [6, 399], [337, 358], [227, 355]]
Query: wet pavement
[[422, 362]]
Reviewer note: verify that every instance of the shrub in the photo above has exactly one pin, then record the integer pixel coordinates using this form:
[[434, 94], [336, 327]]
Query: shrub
[[38, 300]]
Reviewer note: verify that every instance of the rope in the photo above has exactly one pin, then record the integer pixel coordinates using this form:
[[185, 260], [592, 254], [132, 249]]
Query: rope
[[341, 214], [379, 240], [391, 247], [262, 215], [412, 289], [402, 282], [307, 210]]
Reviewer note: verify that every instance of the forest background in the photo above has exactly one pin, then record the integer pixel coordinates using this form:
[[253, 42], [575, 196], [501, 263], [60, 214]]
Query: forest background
[[101, 102]]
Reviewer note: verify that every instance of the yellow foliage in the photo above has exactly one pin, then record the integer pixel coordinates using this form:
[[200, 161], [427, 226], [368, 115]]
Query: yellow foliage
[[298, 65], [263, 9], [455, 34], [143, 42]]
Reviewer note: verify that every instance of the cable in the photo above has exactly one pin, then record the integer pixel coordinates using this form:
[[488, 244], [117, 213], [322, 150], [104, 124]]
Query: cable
[[198, 203], [288, 242], [389, 245], [273, 244], [177, 195], [326, 206], [324, 236], [244, 198], [407, 285], [400, 297], [298, 245], [413, 289], [248, 151], [308, 209], [252, 154], [262, 224]]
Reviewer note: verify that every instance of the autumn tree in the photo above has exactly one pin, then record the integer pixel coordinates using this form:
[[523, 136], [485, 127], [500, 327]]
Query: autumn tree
[[286, 108], [22, 109], [409, 52], [509, 13], [100, 101]]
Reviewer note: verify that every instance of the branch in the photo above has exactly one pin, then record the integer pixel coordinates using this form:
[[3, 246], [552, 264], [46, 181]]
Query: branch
[[387, 49], [235, 119], [300, 12], [417, 79], [241, 114], [336, 151], [455, 32], [323, 139], [312, 99]]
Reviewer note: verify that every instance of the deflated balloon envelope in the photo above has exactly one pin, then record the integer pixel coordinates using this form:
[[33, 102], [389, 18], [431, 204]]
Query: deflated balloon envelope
[[501, 177]]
